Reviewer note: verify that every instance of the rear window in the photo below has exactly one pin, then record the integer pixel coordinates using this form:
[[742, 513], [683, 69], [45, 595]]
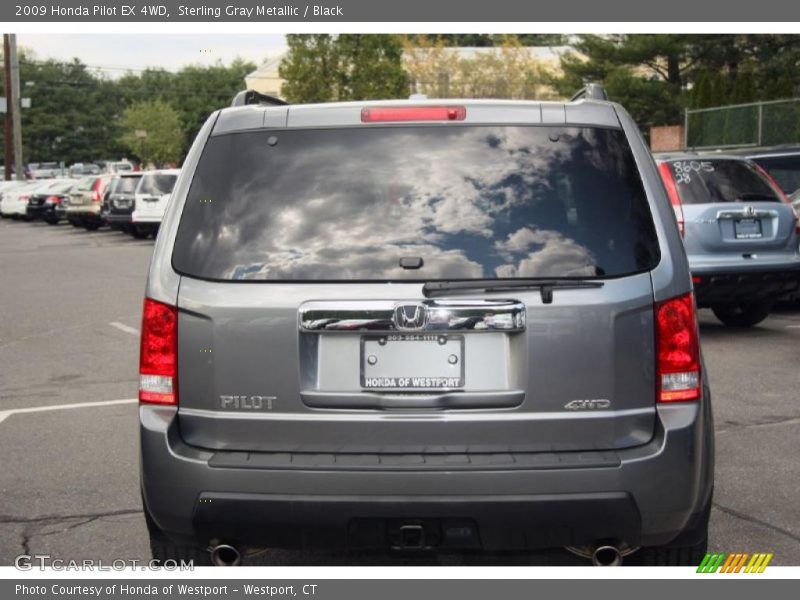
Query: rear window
[[86, 184], [126, 185], [713, 181], [470, 201], [157, 185], [785, 170]]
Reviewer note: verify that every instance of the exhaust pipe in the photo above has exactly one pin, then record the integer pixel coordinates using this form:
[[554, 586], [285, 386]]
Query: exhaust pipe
[[225, 556], [606, 556]]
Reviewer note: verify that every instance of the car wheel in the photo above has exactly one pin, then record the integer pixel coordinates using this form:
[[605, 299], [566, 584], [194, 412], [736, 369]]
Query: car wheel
[[91, 226], [162, 548], [139, 234], [52, 221], [742, 315], [75, 223]]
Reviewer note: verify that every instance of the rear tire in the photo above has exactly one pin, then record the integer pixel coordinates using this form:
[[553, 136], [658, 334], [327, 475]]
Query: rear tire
[[139, 234], [163, 548], [742, 315], [91, 226]]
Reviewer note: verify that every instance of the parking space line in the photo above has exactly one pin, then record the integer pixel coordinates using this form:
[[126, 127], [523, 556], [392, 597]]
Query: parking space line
[[125, 328], [17, 411]]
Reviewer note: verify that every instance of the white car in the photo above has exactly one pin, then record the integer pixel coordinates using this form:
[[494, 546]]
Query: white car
[[151, 199], [14, 202]]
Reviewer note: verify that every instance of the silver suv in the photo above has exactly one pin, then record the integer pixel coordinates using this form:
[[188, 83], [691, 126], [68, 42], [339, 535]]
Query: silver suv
[[740, 232], [423, 325]]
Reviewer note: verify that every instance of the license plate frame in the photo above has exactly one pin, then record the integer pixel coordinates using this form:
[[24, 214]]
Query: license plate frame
[[748, 229], [425, 347]]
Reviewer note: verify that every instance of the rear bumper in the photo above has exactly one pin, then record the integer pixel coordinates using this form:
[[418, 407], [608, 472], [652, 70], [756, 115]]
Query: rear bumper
[[642, 496], [118, 219], [714, 287], [35, 212]]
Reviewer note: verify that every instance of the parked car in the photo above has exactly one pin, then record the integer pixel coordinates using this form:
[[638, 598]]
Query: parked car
[[45, 170], [14, 203], [43, 203], [740, 233], [6, 186], [781, 162], [84, 170], [119, 201], [423, 325], [151, 199], [795, 200], [85, 202]]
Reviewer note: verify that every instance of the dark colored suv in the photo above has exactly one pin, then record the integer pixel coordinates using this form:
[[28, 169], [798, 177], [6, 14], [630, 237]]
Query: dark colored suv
[[119, 203], [423, 325]]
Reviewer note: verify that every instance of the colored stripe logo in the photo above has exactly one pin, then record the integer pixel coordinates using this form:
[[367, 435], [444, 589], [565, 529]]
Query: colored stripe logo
[[738, 562]]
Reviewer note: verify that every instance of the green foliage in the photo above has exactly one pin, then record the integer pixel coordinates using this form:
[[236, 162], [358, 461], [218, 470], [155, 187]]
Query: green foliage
[[322, 68], [75, 114], [656, 76], [162, 126]]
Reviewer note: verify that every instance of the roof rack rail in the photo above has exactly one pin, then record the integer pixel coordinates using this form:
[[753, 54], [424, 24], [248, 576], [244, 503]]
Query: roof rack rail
[[591, 91], [253, 97]]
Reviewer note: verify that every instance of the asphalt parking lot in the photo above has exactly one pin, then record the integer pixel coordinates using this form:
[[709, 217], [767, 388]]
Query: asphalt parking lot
[[71, 302]]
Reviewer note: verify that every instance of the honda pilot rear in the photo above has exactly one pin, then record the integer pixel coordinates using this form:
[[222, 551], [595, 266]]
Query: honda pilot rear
[[423, 325]]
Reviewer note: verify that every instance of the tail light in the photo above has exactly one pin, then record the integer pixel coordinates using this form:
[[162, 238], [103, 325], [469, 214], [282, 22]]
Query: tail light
[[779, 191], [53, 200], [672, 192], [377, 114], [158, 359], [24, 198], [677, 350], [96, 195]]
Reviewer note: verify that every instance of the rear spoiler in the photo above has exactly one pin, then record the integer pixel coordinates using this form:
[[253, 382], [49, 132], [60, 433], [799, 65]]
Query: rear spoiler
[[253, 97], [591, 91]]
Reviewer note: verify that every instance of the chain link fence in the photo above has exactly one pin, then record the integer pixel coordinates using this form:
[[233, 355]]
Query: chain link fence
[[741, 125]]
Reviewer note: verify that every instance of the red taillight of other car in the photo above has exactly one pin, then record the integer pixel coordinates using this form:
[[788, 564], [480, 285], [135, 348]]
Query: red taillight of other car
[[677, 350], [672, 191], [158, 359], [378, 114], [53, 200], [96, 195]]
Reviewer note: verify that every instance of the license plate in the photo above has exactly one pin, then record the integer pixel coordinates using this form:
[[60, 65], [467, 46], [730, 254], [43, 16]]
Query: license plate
[[747, 228], [412, 362]]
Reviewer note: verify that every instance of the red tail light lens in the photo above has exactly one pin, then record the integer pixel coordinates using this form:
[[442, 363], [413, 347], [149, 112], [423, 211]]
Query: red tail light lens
[[413, 113], [24, 198], [158, 359], [53, 200], [678, 350], [672, 192], [96, 196]]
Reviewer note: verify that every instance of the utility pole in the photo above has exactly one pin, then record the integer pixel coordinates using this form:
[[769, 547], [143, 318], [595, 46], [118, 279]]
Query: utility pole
[[14, 100], [7, 141]]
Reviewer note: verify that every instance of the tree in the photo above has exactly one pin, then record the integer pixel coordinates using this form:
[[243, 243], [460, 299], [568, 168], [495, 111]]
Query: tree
[[161, 126], [310, 69], [72, 117], [504, 71], [323, 68], [370, 67]]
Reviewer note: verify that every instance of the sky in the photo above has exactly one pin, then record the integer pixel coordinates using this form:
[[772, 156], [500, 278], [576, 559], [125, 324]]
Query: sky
[[138, 51]]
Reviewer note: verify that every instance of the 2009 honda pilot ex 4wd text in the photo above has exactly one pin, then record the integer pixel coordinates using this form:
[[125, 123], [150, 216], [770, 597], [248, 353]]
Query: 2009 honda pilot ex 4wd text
[[423, 325]]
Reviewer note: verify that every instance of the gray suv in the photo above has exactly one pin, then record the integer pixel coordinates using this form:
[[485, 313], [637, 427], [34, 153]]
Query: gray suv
[[740, 231], [423, 325]]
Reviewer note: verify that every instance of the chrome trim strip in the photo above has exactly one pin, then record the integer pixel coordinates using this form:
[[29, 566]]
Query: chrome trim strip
[[440, 315]]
